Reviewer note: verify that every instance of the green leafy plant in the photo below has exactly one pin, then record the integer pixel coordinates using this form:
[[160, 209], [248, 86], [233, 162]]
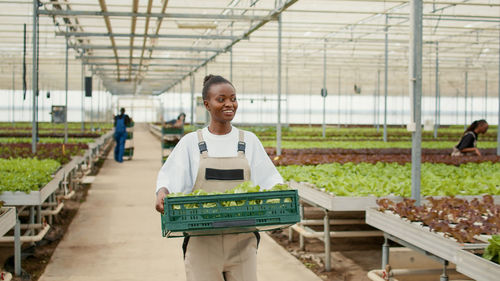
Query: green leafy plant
[[383, 179], [26, 174], [245, 187], [47, 140], [492, 252]]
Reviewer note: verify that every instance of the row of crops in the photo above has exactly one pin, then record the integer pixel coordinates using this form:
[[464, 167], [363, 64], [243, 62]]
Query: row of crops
[[375, 167], [353, 163], [21, 170], [45, 178]]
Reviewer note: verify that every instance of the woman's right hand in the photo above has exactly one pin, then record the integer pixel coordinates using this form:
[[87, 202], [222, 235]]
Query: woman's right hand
[[160, 199], [478, 152]]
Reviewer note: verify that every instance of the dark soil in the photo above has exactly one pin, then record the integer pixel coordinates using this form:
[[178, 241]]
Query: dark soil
[[316, 156]]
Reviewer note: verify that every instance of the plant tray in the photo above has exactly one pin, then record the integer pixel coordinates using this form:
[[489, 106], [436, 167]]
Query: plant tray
[[172, 131], [169, 144], [128, 152], [418, 235], [257, 211], [476, 267]]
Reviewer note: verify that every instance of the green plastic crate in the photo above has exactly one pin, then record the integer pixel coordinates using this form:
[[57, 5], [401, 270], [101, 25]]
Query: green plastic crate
[[169, 144], [128, 152], [172, 131], [130, 135], [206, 215]]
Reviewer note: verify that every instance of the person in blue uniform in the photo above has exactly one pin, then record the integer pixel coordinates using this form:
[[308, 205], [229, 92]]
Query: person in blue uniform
[[121, 123]]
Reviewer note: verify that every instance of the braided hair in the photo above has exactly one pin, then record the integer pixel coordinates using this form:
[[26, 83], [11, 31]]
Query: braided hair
[[474, 125], [210, 80]]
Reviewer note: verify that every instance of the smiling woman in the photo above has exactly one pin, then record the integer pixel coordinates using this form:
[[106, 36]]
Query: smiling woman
[[219, 97], [217, 158]]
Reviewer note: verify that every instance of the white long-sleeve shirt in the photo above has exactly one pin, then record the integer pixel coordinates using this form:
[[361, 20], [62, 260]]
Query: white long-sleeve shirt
[[179, 172]]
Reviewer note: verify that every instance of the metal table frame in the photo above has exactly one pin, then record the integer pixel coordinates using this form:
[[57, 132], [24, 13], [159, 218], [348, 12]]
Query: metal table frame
[[317, 198]]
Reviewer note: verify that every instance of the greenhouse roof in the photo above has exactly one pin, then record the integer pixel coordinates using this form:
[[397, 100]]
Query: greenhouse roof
[[148, 47]]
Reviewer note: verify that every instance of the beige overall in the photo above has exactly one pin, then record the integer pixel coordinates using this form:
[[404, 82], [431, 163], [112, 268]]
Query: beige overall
[[230, 257]]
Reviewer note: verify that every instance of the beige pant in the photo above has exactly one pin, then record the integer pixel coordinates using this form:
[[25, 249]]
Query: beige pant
[[231, 257]]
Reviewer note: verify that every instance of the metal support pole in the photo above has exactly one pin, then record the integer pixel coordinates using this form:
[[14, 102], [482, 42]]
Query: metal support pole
[[32, 217], [326, 222], [386, 69], [17, 245], [466, 94], [385, 252], [324, 89], [83, 100], [375, 108], [415, 72], [498, 129], [444, 276], [436, 112], [99, 104], [302, 245], [287, 96], [230, 59], [378, 100], [339, 82], [92, 112], [486, 96], [192, 98], [278, 125], [262, 92], [35, 75], [13, 93]]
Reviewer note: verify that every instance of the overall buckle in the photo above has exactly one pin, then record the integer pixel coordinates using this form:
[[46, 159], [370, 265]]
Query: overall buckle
[[241, 146]]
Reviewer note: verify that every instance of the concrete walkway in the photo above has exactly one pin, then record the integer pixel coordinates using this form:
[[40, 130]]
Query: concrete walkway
[[116, 234]]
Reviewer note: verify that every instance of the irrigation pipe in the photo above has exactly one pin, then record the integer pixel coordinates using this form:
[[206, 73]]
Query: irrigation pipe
[[26, 239]]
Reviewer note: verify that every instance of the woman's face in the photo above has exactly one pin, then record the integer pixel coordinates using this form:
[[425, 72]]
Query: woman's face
[[483, 128], [221, 102]]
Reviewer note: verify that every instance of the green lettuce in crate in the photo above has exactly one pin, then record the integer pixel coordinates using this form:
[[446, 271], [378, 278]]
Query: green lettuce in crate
[[245, 187], [492, 252]]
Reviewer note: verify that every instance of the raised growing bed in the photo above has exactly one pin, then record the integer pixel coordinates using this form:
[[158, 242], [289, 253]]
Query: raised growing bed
[[382, 179], [417, 235], [476, 267], [441, 227], [330, 202], [37, 197]]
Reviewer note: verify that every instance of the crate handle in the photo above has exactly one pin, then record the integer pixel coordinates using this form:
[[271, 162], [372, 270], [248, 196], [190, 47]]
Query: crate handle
[[233, 223]]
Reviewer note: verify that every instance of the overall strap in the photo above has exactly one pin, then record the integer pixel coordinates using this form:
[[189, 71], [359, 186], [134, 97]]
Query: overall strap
[[241, 142], [202, 145], [471, 133]]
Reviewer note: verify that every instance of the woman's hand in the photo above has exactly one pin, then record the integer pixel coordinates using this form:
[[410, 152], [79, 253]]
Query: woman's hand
[[160, 199], [477, 151]]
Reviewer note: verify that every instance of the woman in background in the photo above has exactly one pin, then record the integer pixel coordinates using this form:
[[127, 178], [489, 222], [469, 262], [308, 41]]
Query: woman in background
[[467, 143]]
